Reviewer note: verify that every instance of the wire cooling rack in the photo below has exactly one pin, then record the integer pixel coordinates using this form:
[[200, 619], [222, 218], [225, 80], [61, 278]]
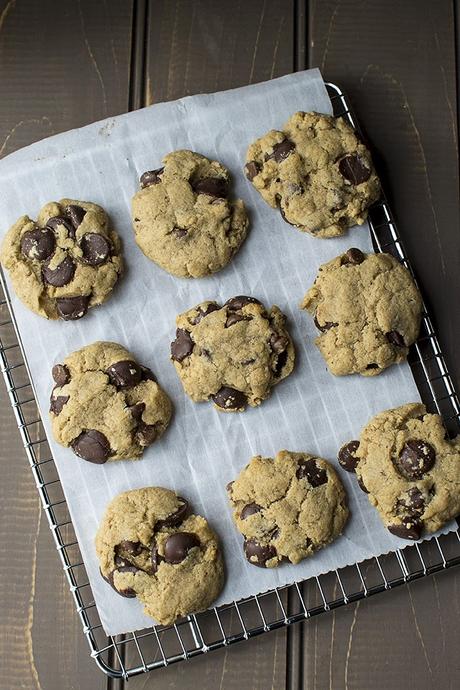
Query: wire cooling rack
[[123, 656]]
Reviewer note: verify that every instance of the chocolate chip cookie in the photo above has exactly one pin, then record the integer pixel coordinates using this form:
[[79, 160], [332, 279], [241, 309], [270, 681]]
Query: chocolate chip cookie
[[105, 406], [151, 547], [367, 309], [183, 217], [409, 469], [317, 171], [232, 354], [287, 507], [65, 262]]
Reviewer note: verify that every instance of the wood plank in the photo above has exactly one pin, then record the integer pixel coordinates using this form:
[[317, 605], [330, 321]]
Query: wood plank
[[56, 73], [393, 58], [208, 46]]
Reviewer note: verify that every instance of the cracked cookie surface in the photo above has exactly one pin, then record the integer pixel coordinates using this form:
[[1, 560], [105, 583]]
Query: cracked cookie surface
[[183, 218], [232, 354], [64, 263], [409, 468], [287, 507], [105, 406], [151, 547], [317, 171], [368, 310]]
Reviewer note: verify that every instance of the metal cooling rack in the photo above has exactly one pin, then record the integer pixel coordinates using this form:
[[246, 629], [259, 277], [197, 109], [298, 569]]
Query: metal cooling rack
[[127, 655]]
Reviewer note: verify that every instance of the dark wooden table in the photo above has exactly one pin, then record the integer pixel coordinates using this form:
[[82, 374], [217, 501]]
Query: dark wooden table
[[66, 63]]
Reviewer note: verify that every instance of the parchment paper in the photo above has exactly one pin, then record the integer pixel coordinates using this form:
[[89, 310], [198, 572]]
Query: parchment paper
[[203, 449]]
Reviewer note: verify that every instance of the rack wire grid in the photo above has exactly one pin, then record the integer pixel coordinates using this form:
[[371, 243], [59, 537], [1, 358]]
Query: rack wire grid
[[123, 656]]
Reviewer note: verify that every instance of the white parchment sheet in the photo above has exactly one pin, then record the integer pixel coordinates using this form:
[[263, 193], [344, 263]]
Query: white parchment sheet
[[202, 449]]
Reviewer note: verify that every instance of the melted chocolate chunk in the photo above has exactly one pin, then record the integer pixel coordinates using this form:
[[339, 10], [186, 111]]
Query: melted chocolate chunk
[[72, 308], [415, 459], [124, 374], [182, 346], [178, 545], [347, 456], [354, 169], [257, 553], [61, 275], [91, 445], [213, 186], [38, 244], [229, 398], [95, 248], [60, 374], [309, 470], [251, 169], [151, 177], [250, 509]]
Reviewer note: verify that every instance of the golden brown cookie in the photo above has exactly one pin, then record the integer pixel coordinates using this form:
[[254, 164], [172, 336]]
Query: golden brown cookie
[[64, 263], [151, 547], [287, 507]]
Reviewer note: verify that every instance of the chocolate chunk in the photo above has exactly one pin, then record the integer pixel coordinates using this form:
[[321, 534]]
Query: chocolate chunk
[[234, 317], [237, 303], [280, 362], [325, 326], [179, 232], [361, 485], [71, 308], [124, 374], [229, 487], [201, 314], [309, 470], [132, 547], [155, 560], [57, 403], [182, 346], [60, 374], [251, 169], [257, 554], [146, 433], [278, 343], [415, 501], [61, 275], [282, 150], [128, 592], [178, 545], [147, 374], [136, 411], [95, 248], [410, 528], [151, 177], [91, 445], [213, 186], [372, 365], [395, 338], [56, 221], [285, 218], [75, 213], [175, 518], [250, 509], [415, 459], [38, 244], [347, 456], [354, 169], [229, 398], [353, 256]]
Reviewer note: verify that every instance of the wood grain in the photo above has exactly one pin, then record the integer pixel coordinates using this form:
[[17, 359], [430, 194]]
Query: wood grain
[[56, 74]]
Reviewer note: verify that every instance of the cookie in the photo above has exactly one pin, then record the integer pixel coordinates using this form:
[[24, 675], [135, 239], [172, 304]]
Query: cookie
[[183, 217], [317, 171], [65, 262], [232, 354], [368, 310], [105, 406], [287, 507], [151, 547], [409, 469]]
